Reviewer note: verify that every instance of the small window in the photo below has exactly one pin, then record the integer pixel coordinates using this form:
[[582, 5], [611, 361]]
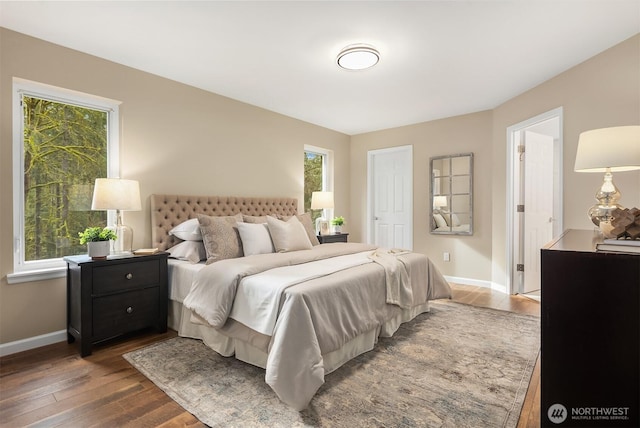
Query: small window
[[63, 141], [318, 176]]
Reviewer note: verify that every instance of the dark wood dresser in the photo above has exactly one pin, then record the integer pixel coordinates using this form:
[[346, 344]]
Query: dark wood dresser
[[590, 352], [107, 298], [334, 237]]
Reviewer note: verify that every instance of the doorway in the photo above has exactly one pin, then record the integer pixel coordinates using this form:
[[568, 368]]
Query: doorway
[[390, 197], [534, 197]]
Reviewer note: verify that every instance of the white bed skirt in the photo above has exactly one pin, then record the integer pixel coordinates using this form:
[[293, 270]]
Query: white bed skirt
[[180, 320]]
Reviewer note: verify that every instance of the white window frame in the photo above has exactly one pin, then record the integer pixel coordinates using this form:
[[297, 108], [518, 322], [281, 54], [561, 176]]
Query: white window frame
[[26, 271], [327, 172]]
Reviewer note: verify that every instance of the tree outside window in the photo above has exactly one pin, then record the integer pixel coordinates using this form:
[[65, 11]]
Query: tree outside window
[[65, 150], [314, 168]]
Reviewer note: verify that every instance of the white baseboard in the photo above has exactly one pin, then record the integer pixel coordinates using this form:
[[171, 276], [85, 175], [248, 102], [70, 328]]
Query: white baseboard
[[468, 281], [32, 342], [476, 282]]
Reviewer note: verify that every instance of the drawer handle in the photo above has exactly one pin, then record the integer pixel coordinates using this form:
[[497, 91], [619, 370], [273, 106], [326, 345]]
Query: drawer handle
[[129, 309], [129, 275]]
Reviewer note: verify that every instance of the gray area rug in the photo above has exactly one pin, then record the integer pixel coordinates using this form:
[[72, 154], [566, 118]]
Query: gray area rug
[[457, 366]]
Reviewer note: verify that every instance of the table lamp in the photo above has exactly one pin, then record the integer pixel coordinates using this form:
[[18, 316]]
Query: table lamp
[[321, 201], [439, 202], [608, 150], [120, 195]]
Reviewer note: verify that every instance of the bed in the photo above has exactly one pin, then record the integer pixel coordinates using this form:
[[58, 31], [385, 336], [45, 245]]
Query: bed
[[299, 313]]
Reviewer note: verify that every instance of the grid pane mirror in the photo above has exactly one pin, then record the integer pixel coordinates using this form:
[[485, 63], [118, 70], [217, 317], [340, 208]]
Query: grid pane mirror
[[451, 195]]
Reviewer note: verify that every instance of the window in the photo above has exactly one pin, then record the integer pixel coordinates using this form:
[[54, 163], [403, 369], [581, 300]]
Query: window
[[63, 141], [318, 176]]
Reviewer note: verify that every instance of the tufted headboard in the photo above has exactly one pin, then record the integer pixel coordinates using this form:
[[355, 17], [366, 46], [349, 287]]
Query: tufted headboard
[[168, 211]]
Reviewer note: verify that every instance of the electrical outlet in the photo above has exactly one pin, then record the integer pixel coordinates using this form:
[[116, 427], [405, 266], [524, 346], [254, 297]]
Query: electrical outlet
[[446, 257]]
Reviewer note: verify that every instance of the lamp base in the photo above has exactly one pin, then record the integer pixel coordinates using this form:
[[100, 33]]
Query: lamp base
[[602, 213], [124, 243], [607, 196]]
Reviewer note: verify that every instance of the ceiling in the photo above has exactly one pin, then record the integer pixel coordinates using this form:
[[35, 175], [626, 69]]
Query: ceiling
[[438, 58]]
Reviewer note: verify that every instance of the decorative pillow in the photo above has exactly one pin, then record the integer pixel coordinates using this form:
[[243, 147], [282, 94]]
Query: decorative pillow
[[440, 221], [455, 221], [220, 237], [188, 230], [305, 219], [254, 218], [447, 218], [288, 235], [255, 238], [192, 251]]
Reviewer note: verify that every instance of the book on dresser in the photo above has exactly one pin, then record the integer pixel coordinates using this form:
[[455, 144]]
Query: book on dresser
[[619, 246]]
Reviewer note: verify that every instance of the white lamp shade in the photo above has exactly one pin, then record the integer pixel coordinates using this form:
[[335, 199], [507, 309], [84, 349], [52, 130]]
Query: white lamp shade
[[116, 194], [617, 148], [439, 201], [321, 200]]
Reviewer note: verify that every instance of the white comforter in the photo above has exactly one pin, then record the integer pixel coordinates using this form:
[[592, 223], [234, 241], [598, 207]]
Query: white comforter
[[312, 302]]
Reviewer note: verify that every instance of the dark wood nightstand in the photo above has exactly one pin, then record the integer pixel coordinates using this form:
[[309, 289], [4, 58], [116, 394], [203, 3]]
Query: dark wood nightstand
[[334, 237], [107, 298]]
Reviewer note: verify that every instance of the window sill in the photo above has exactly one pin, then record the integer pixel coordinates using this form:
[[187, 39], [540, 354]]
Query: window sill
[[36, 275]]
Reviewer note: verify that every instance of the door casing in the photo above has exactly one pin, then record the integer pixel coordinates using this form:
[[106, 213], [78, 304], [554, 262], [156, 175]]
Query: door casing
[[513, 243]]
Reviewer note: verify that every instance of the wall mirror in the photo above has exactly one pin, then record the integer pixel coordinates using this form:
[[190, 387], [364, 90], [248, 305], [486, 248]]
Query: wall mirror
[[451, 196]]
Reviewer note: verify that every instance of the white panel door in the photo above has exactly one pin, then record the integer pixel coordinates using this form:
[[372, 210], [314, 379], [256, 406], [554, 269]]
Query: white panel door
[[538, 204], [391, 176]]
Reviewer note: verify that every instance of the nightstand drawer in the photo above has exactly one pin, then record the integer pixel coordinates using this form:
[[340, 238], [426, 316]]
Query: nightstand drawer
[[335, 237], [125, 276], [125, 312]]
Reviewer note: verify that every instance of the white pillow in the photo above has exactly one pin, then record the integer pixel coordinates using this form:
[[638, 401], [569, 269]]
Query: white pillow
[[188, 230], [255, 238], [440, 221], [192, 251], [455, 221], [288, 235]]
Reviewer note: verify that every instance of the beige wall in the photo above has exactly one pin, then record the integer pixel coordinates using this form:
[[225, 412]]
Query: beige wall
[[470, 255], [174, 139]]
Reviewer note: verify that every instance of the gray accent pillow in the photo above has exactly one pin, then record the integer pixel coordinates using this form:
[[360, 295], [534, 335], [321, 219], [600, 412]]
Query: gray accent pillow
[[305, 219], [254, 218], [288, 235], [220, 236]]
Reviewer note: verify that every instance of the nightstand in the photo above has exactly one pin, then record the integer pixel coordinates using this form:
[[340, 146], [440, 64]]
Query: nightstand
[[108, 298], [334, 237]]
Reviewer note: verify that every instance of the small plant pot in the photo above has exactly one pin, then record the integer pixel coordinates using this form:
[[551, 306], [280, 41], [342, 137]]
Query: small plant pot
[[98, 250], [337, 228]]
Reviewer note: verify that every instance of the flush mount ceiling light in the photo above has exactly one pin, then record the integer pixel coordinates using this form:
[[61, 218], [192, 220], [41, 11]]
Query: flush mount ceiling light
[[358, 57]]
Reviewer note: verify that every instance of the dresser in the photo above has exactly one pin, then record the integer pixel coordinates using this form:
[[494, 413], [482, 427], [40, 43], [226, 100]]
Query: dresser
[[108, 298], [590, 321], [334, 237]]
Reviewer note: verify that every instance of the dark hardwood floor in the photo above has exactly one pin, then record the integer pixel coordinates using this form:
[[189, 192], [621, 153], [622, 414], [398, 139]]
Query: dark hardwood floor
[[53, 386]]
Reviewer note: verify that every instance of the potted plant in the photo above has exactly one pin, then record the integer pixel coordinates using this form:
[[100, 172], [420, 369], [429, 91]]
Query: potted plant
[[97, 240], [337, 223]]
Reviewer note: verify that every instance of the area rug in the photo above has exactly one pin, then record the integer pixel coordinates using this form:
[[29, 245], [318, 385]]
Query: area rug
[[456, 366]]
